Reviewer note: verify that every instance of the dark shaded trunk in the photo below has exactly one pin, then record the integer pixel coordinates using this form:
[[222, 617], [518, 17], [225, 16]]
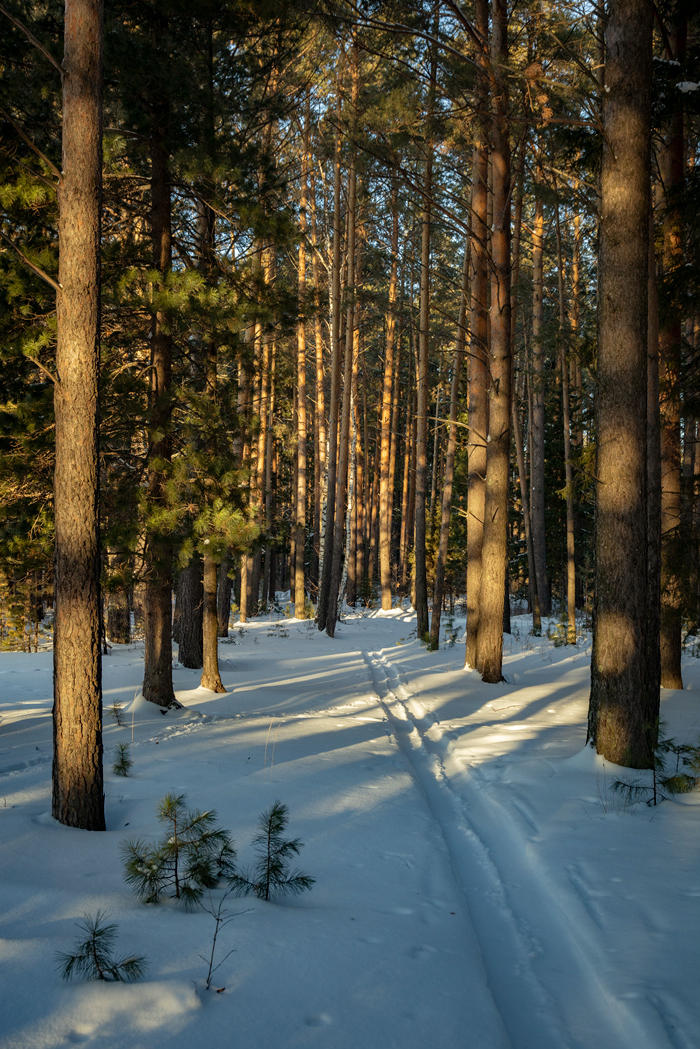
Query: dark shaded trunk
[[624, 702], [190, 604]]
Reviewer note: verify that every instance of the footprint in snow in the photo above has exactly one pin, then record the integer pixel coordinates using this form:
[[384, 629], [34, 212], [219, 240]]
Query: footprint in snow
[[320, 1020]]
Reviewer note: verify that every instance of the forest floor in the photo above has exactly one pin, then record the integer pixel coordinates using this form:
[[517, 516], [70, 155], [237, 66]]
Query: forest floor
[[479, 884]]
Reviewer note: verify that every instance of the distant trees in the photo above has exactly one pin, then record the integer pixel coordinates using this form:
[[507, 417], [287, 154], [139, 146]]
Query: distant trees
[[345, 352]]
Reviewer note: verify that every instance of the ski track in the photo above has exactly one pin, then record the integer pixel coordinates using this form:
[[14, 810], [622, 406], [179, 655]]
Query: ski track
[[502, 889]]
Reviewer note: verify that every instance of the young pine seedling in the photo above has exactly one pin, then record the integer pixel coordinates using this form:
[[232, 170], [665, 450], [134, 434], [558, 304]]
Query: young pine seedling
[[191, 857], [116, 712], [92, 957], [270, 875], [123, 762]]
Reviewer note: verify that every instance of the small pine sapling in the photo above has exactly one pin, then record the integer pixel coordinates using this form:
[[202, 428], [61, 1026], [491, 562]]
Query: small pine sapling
[[116, 712], [270, 875], [92, 957], [123, 762], [665, 783], [192, 856]]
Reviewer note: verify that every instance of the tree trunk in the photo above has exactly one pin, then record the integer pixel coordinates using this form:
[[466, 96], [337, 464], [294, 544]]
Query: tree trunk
[[158, 655], [489, 651], [211, 678], [386, 491], [223, 600], [538, 380], [421, 580], [446, 506], [300, 508], [624, 704], [78, 799], [569, 473], [190, 604], [329, 517], [477, 384], [671, 163]]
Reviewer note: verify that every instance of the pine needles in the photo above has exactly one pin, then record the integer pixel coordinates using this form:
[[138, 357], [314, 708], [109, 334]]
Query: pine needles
[[123, 762], [192, 857], [681, 780], [92, 957], [270, 874]]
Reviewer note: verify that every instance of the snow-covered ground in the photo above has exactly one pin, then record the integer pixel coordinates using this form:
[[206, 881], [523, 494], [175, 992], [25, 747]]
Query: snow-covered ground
[[478, 883]]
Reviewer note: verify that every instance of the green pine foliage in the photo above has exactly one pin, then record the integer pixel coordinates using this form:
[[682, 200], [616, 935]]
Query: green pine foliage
[[92, 958], [270, 875], [683, 778], [123, 762], [116, 712], [191, 857]]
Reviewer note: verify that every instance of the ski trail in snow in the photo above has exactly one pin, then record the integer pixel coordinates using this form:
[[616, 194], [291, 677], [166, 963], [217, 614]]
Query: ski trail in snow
[[526, 967]]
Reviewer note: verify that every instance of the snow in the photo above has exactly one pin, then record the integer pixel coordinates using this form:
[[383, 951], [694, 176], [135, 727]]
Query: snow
[[478, 882]]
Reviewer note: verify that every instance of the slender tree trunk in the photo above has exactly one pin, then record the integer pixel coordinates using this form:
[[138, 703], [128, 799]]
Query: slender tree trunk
[[386, 491], [223, 600], [538, 384], [477, 371], [158, 655], [421, 580], [569, 473], [653, 647], [624, 704], [300, 509], [78, 799], [489, 653], [211, 677], [344, 436], [324, 593], [320, 434], [190, 604], [671, 163], [441, 561]]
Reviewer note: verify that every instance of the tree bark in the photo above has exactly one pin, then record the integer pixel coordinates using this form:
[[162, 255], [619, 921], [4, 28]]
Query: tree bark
[[624, 703], [158, 655], [77, 781], [190, 603], [386, 490], [477, 371], [489, 652], [538, 450], [671, 164], [300, 508]]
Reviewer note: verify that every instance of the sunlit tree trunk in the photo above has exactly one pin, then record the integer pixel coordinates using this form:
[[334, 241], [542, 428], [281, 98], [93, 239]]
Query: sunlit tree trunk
[[78, 799], [624, 703], [566, 422], [489, 649], [386, 491], [477, 371], [538, 384], [300, 508]]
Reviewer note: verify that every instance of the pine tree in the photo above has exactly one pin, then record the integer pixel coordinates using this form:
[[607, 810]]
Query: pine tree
[[270, 875]]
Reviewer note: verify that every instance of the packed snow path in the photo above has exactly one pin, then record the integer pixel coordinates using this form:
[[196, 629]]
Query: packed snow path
[[478, 885]]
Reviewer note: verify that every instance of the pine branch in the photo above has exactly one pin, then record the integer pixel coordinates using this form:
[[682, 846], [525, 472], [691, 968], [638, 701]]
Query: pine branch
[[33, 40], [31, 144], [40, 273]]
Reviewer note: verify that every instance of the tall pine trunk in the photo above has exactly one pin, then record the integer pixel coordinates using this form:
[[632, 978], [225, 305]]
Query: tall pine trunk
[[477, 371], [78, 799], [489, 649], [624, 702]]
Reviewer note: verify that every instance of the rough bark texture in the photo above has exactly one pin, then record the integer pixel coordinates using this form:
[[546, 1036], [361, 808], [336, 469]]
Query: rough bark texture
[[300, 509], [671, 163], [623, 710], [158, 669], [78, 799], [190, 604], [211, 678], [477, 395], [386, 488], [489, 649], [537, 461]]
